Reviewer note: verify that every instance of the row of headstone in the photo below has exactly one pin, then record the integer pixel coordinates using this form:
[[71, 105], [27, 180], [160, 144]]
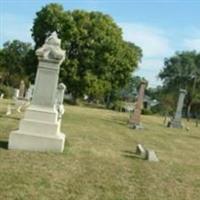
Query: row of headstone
[[135, 117], [22, 94]]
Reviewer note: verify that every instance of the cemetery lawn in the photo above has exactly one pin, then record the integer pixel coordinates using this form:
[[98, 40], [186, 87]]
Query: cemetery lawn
[[99, 163]]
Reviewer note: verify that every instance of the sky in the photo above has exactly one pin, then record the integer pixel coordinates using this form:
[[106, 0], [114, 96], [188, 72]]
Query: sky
[[159, 27]]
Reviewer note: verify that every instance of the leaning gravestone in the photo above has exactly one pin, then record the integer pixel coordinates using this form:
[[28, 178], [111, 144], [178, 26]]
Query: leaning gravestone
[[176, 122], [40, 128], [140, 150], [134, 121]]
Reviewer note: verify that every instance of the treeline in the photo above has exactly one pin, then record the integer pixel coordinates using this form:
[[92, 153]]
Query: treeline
[[98, 61], [180, 71]]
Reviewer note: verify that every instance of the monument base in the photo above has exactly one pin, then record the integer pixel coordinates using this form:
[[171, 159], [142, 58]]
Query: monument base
[[176, 124], [136, 126], [22, 141], [38, 131]]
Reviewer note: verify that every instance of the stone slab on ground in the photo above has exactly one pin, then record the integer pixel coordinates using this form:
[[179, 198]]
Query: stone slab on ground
[[151, 156]]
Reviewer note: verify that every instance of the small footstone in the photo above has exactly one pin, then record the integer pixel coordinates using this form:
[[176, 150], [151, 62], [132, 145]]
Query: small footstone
[[151, 156], [140, 150], [8, 112]]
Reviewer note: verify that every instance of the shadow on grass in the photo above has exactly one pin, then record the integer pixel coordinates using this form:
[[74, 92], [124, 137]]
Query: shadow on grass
[[10, 117], [193, 137], [115, 121], [3, 144], [132, 155]]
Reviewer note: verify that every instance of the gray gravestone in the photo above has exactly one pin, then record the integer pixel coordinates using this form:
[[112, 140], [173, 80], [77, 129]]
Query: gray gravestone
[[16, 94], [151, 156], [21, 90], [29, 93], [140, 150], [9, 111], [176, 122], [60, 98]]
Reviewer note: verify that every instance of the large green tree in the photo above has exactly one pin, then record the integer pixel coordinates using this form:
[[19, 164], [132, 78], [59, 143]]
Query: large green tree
[[13, 62], [183, 71], [98, 60]]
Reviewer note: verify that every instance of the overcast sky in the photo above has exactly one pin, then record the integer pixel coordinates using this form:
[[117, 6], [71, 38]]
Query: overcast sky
[[159, 27]]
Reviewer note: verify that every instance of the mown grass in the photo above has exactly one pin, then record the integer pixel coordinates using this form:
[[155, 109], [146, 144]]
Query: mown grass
[[99, 163]]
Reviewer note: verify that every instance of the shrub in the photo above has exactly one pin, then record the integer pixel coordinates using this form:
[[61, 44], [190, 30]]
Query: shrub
[[146, 111], [117, 105], [7, 91]]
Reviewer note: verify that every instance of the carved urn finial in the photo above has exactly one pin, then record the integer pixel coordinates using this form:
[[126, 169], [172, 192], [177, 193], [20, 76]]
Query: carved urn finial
[[51, 50]]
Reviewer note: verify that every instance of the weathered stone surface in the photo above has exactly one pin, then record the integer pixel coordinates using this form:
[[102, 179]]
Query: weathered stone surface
[[16, 94], [176, 122], [59, 100], [134, 121], [29, 93], [9, 111], [151, 156], [1, 95], [39, 130], [21, 89], [140, 150]]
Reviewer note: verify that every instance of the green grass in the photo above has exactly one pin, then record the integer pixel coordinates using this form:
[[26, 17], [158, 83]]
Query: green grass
[[99, 161]]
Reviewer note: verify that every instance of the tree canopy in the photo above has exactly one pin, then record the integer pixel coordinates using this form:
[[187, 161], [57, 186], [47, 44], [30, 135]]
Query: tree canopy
[[13, 62], [182, 71], [98, 60]]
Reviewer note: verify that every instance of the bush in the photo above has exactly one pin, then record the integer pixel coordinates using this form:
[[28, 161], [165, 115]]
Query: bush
[[146, 111], [117, 105], [7, 91]]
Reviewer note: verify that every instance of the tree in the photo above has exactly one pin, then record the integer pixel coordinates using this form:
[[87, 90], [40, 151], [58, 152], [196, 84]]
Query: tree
[[98, 61], [129, 92], [182, 71], [12, 62]]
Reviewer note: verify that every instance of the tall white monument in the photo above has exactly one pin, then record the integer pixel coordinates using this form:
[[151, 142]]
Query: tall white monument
[[39, 130], [176, 122]]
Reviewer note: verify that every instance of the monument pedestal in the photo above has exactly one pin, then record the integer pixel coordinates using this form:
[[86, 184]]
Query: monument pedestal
[[38, 131], [136, 126], [23, 141], [176, 124]]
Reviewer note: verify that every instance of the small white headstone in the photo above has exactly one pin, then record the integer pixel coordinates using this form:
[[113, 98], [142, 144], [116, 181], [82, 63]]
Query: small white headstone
[[140, 150], [16, 94], [8, 112], [29, 93], [151, 156], [2, 96]]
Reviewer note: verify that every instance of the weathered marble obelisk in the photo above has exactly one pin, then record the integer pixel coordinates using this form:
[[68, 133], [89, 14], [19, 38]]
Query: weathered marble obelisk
[[134, 121], [39, 130], [176, 122]]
